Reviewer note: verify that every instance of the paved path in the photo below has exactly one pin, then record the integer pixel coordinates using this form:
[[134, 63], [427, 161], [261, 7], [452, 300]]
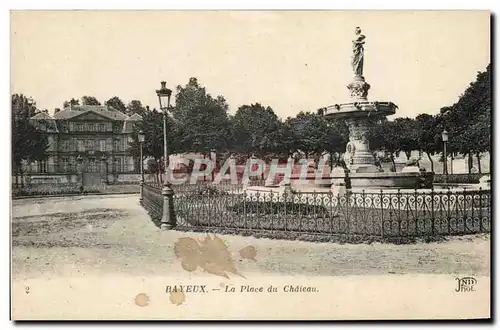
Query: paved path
[[89, 257], [106, 234]]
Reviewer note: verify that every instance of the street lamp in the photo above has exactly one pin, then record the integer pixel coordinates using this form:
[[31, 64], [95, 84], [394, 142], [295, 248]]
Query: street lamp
[[141, 137], [164, 98], [444, 136], [168, 218]]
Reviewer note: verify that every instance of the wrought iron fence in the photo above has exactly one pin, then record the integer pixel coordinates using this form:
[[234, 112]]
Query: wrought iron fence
[[370, 214], [152, 201], [229, 208]]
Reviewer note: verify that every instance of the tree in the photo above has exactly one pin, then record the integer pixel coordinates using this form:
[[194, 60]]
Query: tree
[[469, 120], [116, 103], [28, 144], [385, 135], [203, 120], [407, 130], [90, 100], [152, 126], [428, 135], [23, 108], [336, 140], [71, 102], [256, 130], [56, 110], [307, 132], [135, 106]]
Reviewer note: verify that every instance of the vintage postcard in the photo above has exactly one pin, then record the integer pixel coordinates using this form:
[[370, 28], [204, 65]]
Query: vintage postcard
[[251, 165]]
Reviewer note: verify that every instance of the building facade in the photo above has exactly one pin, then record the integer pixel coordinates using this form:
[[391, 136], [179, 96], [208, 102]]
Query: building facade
[[88, 143]]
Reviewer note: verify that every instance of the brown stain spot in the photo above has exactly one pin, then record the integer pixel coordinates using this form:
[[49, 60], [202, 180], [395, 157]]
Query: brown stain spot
[[177, 297], [142, 300], [210, 253], [249, 252]]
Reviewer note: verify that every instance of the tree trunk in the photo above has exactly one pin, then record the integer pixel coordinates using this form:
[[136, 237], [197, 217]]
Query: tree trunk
[[478, 156], [432, 162], [408, 155], [393, 162]]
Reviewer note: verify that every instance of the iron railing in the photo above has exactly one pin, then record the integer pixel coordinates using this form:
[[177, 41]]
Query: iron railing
[[229, 208]]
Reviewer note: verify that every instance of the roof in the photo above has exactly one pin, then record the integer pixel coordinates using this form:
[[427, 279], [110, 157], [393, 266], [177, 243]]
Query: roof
[[41, 116], [135, 117], [76, 110]]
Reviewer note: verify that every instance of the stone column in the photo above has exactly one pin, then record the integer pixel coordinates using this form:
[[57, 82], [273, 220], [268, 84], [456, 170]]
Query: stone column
[[358, 148], [168, 216]]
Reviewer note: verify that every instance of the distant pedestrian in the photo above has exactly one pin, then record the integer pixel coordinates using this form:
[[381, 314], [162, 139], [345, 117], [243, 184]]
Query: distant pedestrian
[[81, 189]]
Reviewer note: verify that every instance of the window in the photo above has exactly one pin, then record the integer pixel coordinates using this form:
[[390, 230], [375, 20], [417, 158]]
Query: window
[[116, 145], [42, 166], [79, 127], [80, 145], [91, 145], [72, 166], [109, 146], [102, 145], [117, 165], [91, 127], [65, 165], [101, 128], [65, 145], [92, 165]]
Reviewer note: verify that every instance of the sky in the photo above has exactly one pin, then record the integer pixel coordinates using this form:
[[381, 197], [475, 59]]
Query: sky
[[290, 60]]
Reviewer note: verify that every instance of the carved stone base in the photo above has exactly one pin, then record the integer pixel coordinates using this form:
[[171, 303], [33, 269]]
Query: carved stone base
[[358, 89]]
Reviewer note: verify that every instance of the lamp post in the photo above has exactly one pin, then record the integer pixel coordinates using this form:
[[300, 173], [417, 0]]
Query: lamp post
[[444, 136], [168, 218], [141, 137]]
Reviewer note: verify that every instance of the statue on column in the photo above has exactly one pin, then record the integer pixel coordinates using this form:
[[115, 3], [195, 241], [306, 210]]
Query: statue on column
[[358, 52]]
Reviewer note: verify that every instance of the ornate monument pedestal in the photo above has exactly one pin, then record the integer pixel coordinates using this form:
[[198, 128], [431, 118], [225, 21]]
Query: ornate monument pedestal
[[360, 115]]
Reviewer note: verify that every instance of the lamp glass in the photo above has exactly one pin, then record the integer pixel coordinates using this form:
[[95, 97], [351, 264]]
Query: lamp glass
[[141, 136], [444, 135], [164, 96]]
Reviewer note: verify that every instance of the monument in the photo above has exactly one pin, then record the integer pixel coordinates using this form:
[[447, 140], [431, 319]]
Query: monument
[[361, 114]]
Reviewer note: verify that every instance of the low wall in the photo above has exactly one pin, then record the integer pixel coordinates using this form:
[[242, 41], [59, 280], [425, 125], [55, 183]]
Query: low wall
[[73, 178], [459, 178], [49, 179]]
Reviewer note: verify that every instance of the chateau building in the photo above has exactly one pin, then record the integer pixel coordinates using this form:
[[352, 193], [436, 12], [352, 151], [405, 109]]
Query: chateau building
[[91, 141]]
